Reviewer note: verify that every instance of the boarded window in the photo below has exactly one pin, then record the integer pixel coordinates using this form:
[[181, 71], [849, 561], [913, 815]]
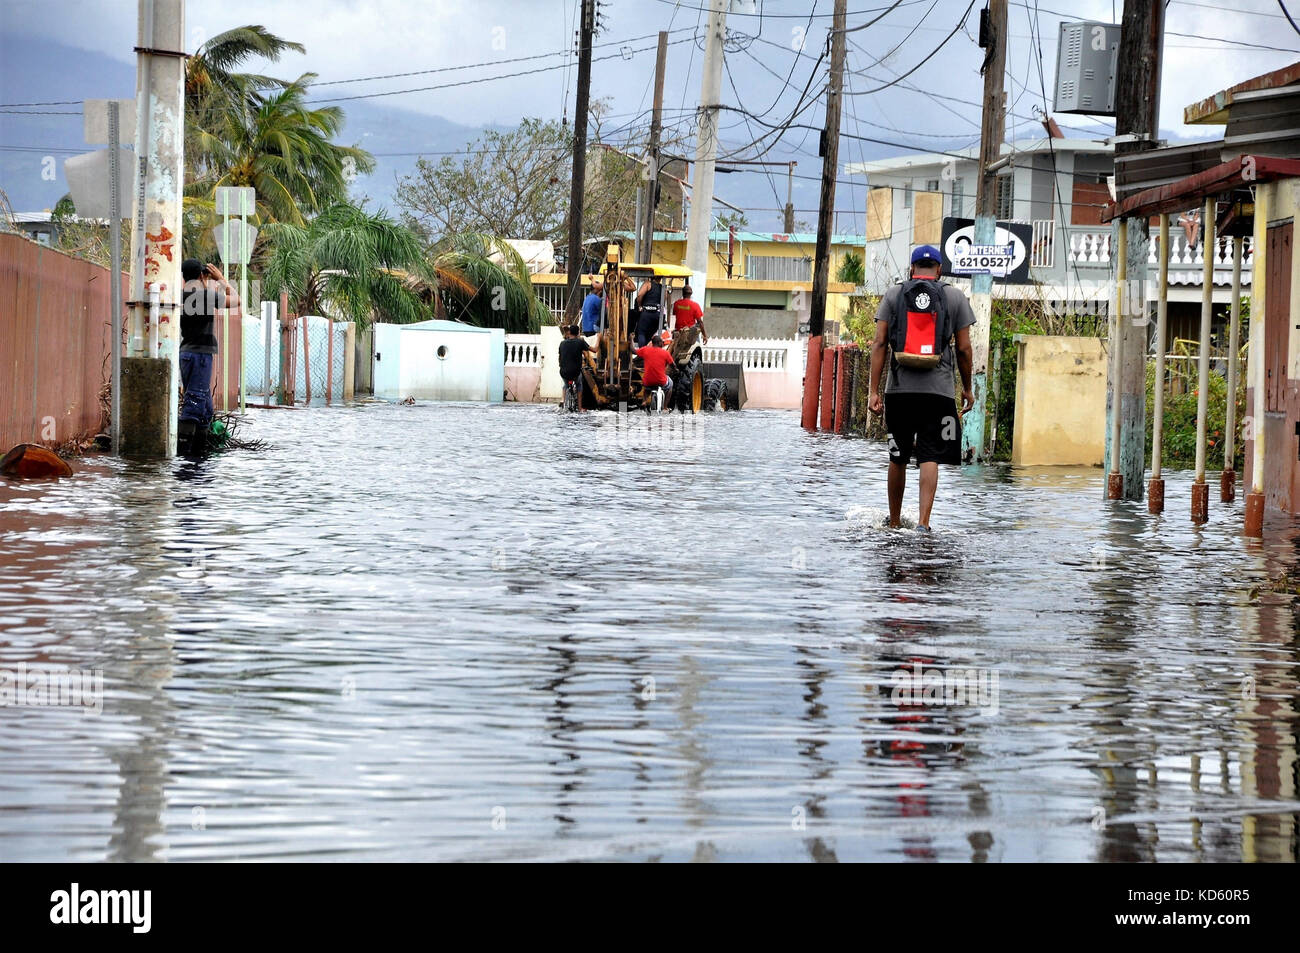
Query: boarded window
[[1086, 202], [880, 214], [777, 268], [927, 220]]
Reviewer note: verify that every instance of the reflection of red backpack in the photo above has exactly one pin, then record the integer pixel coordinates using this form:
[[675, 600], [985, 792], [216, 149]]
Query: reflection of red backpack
[[921, 328]]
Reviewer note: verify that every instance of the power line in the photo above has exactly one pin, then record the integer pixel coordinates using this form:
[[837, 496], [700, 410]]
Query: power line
[[58, 102], [960, 24], [482, 79], [517, 59], [1287, 14]]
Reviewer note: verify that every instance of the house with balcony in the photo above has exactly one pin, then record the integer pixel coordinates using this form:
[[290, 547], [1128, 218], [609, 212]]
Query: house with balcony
[[1056, 185]]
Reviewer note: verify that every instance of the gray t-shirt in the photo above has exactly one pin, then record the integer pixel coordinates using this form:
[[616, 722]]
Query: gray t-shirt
[[909, 380]]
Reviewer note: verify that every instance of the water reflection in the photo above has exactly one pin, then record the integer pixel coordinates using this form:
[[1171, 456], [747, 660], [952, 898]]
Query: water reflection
[[457, 632]]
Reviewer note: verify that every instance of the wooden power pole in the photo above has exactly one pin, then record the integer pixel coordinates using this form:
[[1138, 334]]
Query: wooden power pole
[[825, 222], [992, 130], [656, 129], [1137, 126], [573, 296]]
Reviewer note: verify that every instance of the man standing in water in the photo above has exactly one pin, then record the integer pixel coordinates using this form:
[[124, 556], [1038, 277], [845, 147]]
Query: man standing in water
[[206, 291], [924, 325]]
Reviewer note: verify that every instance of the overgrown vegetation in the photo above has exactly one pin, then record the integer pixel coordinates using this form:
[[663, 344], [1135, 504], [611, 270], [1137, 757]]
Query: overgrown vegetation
[[851, 270]]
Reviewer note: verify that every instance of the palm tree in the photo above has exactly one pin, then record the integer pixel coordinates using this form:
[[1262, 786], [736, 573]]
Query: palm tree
[[347, 262], [246, 129], [479, 288]]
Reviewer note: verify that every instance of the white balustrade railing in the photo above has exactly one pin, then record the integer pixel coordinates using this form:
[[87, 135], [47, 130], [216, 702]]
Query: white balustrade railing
[[525, 349], [753, 354], [1088, 247]]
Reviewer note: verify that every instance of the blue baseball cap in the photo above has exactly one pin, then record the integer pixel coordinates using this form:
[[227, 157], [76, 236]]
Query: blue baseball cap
[[926, 253]]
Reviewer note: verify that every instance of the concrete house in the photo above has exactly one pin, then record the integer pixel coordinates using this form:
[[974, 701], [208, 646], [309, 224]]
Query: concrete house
[[1059, 187]]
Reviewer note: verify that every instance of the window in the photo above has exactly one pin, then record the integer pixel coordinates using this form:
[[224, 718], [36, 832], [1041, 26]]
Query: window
[[777, 268], [958, 199], [932, 185], [907, 195], [1005, 197]]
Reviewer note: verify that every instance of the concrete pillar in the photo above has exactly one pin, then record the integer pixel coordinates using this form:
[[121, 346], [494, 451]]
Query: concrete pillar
[[973, 422], [1257, 369], [1228, 479], [1209, 243], [149, 386], [1127, 390], [1156, 489]]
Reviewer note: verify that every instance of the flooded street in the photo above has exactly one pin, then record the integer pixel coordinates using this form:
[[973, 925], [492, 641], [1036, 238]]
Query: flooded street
[[448, 632]]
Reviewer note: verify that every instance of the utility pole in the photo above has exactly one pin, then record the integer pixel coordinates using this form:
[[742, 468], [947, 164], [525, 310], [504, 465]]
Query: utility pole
[[992, 129], [825, 222], [150, 374], [788, 222], [573, 300], [647, 226], [1137, 113], [706, 150]]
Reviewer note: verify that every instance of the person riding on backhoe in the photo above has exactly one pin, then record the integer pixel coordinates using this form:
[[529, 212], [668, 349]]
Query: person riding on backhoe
[[688, 313], [649, 300], [654, 367]]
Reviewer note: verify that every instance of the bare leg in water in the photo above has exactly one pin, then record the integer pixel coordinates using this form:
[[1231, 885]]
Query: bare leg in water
[[898, 483]]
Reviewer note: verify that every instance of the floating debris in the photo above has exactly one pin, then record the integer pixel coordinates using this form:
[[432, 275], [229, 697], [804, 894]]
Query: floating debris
[[32, 461]]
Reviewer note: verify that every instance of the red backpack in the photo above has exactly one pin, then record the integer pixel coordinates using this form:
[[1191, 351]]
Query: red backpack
[[921, 328]]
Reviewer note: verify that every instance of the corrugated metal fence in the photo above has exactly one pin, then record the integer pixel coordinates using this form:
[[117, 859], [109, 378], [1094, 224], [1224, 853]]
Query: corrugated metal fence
[[55, 345]]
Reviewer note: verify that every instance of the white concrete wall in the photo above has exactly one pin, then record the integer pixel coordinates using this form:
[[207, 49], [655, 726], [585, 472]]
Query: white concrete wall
[[552, 386], [439, 364]]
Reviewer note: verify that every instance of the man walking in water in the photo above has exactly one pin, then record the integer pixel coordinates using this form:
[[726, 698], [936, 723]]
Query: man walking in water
[[924, 325]]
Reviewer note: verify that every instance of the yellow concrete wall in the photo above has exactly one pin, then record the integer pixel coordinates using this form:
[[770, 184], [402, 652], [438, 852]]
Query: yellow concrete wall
[[1060, 402], [674, 253]]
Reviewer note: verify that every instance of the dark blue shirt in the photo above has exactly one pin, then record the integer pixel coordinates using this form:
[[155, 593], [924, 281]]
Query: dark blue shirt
[[591, 313]]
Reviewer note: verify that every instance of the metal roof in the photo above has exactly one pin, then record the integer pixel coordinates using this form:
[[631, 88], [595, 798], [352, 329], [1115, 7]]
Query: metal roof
[[1219, 180], [1214, 109]]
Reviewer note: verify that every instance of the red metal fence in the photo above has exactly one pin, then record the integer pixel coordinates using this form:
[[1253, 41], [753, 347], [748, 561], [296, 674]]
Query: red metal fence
[[55, 345]]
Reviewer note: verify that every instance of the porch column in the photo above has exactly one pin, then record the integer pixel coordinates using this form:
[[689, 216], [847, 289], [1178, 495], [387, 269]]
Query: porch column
[[1256, 369], [1209, 244], [1115, 479], [1228, 480], [1156, 490]]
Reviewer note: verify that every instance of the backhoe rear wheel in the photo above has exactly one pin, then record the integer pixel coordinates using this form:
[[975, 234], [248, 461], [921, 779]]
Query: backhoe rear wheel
[[689, 388]]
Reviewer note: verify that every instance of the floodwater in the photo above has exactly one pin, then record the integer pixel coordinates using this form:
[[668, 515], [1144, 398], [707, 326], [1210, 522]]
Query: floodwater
[[457, 632]]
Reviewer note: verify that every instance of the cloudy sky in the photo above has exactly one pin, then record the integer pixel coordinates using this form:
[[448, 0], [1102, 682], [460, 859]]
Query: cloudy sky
[[86, 51]]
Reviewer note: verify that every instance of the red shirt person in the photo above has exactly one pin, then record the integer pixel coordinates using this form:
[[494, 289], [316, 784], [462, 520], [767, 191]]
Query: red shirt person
[[687, 313], [655, 360]]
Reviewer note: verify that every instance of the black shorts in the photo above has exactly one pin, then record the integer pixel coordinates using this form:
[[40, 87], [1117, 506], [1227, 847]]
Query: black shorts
[[925, 423]]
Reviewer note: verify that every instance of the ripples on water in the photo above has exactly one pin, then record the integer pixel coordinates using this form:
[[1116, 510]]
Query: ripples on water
[[467, 632]]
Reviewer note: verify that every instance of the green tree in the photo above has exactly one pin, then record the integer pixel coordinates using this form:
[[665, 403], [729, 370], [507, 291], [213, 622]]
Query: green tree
[[349, 262], [485, 281], [513, 183], [851, 270]]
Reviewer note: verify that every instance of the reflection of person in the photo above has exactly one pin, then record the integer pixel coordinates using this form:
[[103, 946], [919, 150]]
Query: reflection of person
[[206, 291], [920, 413]]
